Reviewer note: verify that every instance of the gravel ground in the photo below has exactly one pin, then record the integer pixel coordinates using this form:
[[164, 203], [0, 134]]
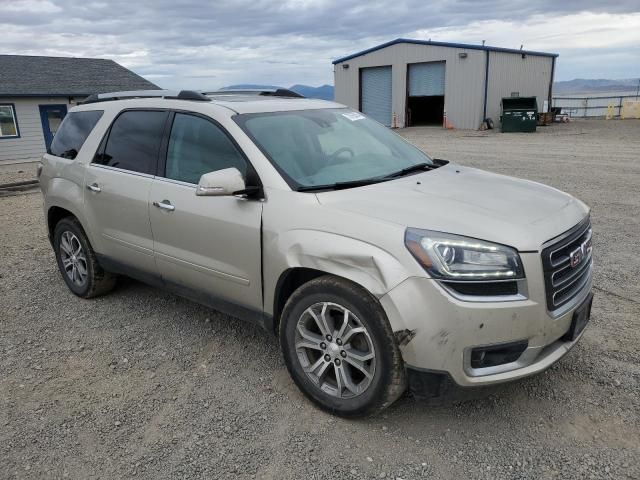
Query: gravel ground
[[17, 172], [143, 383]]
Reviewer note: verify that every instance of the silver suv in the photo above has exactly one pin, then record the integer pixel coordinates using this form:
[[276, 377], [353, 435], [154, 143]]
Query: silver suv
[[375, 265]]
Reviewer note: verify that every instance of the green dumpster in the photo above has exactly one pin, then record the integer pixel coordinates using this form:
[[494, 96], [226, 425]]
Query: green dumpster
[[519, 114]]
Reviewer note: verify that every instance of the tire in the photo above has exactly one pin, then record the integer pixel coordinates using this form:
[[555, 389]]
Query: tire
[[385, 380], [89, 279]]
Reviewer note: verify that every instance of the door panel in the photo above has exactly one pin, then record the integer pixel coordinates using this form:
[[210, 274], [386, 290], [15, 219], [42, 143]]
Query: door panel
[[51, 117], [209, 244], [118, 183], [375, 93], [119, 215], [206, 244]]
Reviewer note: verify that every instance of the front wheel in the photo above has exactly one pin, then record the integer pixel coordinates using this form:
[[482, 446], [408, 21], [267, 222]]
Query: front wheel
[[339, 348]]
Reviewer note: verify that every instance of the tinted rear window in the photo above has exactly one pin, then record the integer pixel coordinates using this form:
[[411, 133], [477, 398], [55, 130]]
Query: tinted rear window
[[73, 132], [134, 141]]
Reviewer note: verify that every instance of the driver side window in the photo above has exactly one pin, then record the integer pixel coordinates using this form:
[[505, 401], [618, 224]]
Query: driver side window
[[198, 146]]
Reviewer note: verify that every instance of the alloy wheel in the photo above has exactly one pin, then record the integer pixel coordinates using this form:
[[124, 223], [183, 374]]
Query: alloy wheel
[[74, 260], [335, 350]]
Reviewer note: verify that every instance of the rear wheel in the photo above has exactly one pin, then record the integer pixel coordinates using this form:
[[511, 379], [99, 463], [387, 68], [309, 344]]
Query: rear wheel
[[339, 348], [77, 261]]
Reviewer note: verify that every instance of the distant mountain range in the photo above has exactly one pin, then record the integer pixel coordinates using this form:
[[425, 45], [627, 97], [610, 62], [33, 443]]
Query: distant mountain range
[[578, 85], [584, 85], [324, 92]]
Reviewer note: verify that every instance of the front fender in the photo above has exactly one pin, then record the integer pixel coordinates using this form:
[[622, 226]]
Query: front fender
[[367, 265]]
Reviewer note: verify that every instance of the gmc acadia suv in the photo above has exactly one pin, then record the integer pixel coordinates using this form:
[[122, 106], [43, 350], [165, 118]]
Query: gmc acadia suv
[[376, 266]]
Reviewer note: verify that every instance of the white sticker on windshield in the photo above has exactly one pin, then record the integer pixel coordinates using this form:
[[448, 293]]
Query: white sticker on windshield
[[353, 116]]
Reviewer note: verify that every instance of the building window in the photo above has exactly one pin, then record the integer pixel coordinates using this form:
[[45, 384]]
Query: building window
[[8, 122]]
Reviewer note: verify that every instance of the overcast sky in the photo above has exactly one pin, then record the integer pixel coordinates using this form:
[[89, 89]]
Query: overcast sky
[[212, 43]]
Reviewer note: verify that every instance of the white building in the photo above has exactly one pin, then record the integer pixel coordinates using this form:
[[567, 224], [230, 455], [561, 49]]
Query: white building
[[413, 82], [35, 93]]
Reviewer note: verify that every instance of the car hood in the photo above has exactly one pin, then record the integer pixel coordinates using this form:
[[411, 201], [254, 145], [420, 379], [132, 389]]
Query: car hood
[[467, 201]]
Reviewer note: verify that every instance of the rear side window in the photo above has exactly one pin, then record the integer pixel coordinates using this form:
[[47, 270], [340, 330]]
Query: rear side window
[[134, 141], [73, 132]]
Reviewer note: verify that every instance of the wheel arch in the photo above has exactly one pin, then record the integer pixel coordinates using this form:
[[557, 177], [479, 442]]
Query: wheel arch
[[288, 282], [65, 197], [311, 254], [54, 215]]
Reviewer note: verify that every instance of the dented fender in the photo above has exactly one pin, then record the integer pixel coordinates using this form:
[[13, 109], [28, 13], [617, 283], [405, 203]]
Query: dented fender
[[301, 233], [363, 263]]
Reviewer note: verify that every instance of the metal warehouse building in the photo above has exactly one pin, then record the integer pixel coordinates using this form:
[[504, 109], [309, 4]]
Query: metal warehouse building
[[414, 82]]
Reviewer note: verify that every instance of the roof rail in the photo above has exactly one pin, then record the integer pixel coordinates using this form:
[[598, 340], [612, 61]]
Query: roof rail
[[266, 92], [171, 94]]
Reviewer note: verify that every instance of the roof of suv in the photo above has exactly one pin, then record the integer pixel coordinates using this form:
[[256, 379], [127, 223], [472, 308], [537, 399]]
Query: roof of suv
[[257, 104], [238, 102]]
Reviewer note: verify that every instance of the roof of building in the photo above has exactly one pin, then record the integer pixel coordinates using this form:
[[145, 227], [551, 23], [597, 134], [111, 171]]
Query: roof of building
[[442, 44], [27, 76]]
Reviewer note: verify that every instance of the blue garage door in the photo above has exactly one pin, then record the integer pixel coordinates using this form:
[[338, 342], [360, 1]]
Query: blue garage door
[[426, 79], [375, 93]]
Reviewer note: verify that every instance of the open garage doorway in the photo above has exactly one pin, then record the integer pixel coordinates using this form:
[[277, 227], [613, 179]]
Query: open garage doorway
[[425, 93]]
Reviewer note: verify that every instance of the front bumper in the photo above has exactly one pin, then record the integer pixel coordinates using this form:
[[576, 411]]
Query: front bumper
[[446, 329]]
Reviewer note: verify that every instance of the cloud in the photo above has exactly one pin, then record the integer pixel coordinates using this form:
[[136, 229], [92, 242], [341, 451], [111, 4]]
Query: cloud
[[539, 32], [196, 44], [602, 45]]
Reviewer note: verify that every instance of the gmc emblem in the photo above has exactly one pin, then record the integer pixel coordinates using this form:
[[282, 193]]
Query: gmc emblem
[[577, 255]]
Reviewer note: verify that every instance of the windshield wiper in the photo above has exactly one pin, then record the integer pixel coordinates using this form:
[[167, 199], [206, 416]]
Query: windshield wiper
[[413, 168], [368, 181], [342, 185]]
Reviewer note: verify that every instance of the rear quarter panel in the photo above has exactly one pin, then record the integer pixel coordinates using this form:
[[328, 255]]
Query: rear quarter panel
[[62, 180], [62, 185]]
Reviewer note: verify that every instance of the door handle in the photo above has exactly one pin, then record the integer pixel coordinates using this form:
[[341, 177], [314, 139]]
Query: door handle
[[94, 188], [164, 205]]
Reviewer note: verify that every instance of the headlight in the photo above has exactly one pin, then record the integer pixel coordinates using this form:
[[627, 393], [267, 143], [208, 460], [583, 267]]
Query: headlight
[[453, 257]]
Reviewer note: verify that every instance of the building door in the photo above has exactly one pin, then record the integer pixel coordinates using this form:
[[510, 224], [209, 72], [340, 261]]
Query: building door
[[425, 100], [375, 93], [51, 116]]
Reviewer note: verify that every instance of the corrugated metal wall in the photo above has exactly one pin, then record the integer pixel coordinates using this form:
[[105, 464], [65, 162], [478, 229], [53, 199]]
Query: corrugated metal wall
[[464, 79], [30, 146], [464, 89], [508, 72]]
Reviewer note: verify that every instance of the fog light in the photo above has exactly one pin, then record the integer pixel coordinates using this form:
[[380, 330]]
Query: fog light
[[483, 357]]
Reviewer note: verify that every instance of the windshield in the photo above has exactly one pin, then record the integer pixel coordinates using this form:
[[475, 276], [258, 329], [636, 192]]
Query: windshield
[[324, 147]]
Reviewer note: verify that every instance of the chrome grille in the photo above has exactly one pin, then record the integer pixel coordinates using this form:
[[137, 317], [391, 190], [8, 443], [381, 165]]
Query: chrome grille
[[567, 265]]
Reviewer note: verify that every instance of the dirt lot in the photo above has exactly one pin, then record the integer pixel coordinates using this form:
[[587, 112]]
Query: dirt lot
[[142, 383], [17, 172]]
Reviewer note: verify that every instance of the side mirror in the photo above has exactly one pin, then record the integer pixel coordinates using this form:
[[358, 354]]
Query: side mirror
[[221, 183]]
